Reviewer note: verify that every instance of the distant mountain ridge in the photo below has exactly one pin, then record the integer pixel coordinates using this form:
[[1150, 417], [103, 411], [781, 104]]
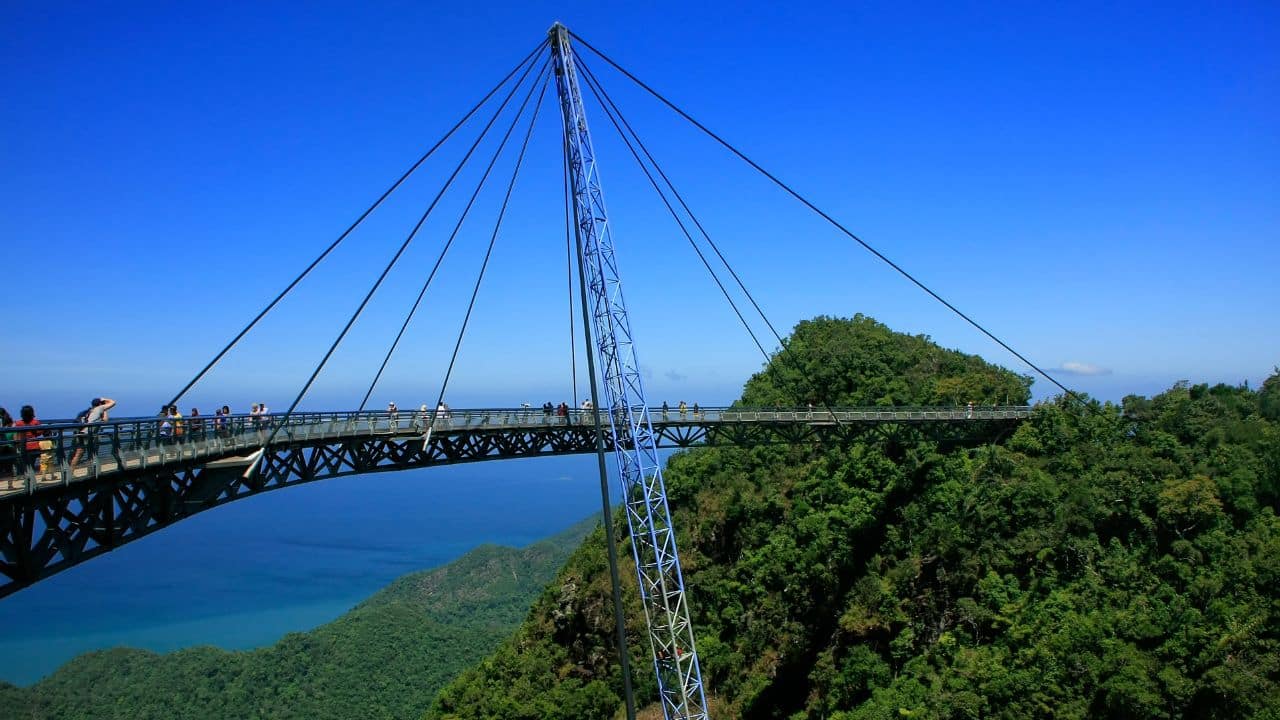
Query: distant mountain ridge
[[386, 658]]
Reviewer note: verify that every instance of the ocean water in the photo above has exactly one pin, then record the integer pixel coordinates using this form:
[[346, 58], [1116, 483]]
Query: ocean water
[[242, 575]]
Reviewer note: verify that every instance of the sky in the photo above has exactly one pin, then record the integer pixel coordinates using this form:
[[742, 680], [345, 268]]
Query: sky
[[1096, 183]]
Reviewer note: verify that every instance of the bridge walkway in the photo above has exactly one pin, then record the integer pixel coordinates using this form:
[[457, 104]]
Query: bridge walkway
[[137, 444]]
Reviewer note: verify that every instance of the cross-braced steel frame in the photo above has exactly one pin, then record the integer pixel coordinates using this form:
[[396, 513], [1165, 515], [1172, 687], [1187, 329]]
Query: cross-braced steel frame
[[653, 540], [58, 523]]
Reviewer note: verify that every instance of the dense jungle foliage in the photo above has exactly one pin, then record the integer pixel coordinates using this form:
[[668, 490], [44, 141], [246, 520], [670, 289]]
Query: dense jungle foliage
[[1101, 561], [386, 658]]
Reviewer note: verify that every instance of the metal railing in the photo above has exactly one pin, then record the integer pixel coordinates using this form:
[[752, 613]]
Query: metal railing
[[64, 452]]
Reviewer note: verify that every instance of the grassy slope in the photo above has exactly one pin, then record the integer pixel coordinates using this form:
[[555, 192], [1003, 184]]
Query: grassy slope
[[386, 658]]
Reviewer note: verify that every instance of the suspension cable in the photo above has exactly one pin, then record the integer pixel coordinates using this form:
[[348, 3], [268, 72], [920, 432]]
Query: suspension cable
[[597, 93], [489, 252], [449, 243], [568, 256], [396, 258], [528, 59], [606, 506], [784, 352], [835, 223], [679, 198]]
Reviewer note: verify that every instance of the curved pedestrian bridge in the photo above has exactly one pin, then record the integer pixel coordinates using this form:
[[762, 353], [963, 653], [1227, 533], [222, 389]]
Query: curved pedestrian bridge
[[129, 445], [96, 487]]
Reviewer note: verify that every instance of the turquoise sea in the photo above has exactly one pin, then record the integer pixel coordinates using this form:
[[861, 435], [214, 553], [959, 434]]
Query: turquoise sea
[[243, 575]]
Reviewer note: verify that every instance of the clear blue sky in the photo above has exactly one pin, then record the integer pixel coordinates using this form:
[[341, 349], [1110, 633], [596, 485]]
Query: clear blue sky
[[1097, 184]]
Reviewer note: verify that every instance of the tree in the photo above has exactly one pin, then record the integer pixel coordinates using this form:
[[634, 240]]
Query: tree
[[1269, 397]]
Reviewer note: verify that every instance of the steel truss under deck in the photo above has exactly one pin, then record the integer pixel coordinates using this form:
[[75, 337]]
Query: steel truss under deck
[[57, 523]]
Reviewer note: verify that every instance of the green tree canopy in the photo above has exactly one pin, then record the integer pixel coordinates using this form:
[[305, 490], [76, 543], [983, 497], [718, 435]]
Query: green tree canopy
[[859, 361], [1101, 562]]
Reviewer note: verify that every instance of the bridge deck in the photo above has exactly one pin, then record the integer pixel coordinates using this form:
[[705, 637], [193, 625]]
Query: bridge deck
[[136, 477], [136, 444]]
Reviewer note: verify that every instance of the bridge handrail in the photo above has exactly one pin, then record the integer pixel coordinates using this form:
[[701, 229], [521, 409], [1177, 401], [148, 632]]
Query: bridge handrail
[[301, 416], [135, 442]]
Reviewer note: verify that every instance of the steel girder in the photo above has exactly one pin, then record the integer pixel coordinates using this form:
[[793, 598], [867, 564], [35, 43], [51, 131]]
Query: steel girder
[[61, 525]]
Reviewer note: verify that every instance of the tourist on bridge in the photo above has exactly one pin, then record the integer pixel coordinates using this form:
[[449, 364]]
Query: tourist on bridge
[[164, 428], [393, 416], [259, 415], [665, 409], [178, 429], [8, 444], [264, 421], [197, 424], [80, 441], [683, 408], [87, 437], [442, 411], [37, 450], [696, 410]]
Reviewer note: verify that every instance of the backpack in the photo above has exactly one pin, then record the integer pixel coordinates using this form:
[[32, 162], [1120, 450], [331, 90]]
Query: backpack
[[83, 418]]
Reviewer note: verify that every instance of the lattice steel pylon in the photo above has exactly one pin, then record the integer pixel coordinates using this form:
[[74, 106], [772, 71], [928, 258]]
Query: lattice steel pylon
[[653, 540]]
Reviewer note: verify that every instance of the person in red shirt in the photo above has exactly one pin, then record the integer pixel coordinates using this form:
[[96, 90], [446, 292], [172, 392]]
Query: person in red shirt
[[39, 461]]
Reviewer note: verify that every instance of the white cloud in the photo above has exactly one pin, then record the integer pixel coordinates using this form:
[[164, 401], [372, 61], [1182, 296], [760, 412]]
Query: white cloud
[[1082, 368]]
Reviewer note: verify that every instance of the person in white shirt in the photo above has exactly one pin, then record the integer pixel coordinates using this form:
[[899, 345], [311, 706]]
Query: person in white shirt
[[86, 437]]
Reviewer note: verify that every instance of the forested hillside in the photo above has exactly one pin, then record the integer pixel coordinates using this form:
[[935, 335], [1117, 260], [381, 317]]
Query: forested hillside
[[1100, 562], [386, 658]]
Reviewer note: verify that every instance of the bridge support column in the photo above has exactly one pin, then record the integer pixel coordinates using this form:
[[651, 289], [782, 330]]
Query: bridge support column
[[653, 541]]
